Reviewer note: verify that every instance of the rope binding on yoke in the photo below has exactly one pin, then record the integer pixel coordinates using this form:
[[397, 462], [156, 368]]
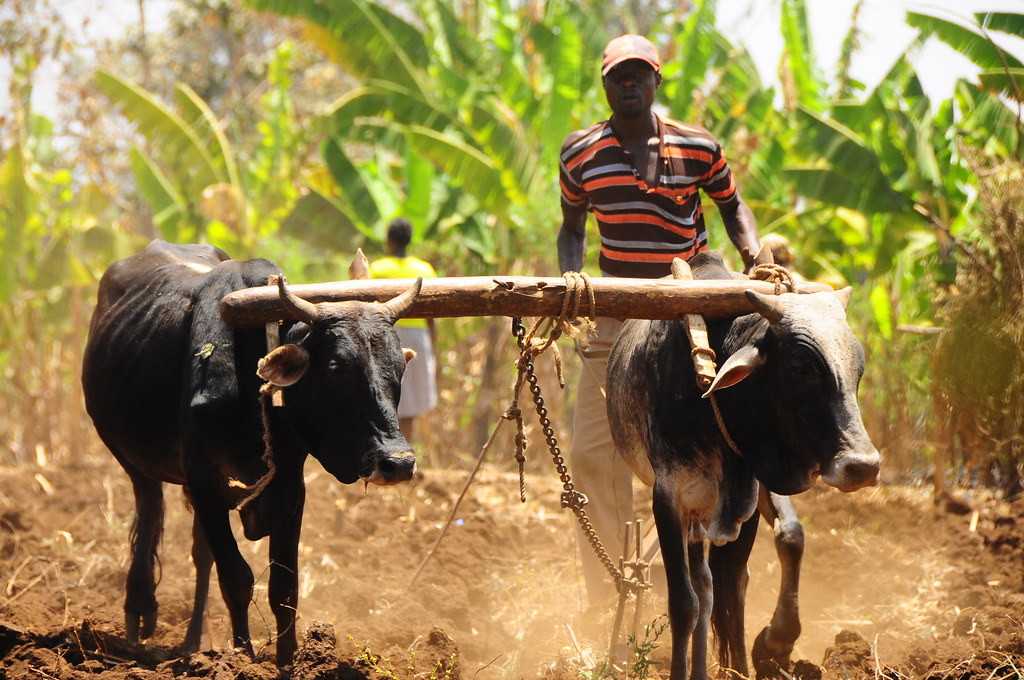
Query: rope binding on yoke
[[546, 330], [774, 273]]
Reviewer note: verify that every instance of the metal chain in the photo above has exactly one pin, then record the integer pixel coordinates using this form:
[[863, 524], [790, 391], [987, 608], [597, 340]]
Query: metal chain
[[571, 498]]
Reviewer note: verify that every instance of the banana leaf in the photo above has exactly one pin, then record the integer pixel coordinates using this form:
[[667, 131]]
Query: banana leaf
[[840, 188], [369, 40], [358, 200], [200, 118], [167, 205], [468, 167], [968, 42], [175, 142], [696, 41], [1005, 81], [1005, 22], [796, 37], [323, 223]]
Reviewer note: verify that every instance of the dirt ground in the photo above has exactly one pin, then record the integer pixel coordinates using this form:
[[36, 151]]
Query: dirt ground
[[891, 586]]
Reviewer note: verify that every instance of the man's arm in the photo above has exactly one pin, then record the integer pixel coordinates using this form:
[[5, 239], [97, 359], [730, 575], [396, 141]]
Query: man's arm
[[572, 238], [742, 229], [739, 221]]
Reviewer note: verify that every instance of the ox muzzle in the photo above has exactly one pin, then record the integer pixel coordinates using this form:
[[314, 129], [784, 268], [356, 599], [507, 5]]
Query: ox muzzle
[[850, 471], [393, 469]]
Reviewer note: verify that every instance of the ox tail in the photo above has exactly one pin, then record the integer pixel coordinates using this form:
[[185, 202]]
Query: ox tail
[[148, 528], [728, 564]]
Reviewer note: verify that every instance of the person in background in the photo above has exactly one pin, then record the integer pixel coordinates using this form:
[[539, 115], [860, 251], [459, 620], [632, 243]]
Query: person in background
[[419, 384]]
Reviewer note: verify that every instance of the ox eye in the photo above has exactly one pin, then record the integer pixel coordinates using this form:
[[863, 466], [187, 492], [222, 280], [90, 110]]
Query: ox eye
[[333, 365], [807, 370]]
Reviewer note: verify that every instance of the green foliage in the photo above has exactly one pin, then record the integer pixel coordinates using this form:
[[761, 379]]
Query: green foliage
[[979, 357], [168, 207], [352, 186], [640, 664], [697, 52], [972, 44], [364, 36], [176, 143], [192, 178], [1007, 81], [845, 85], [799, 55]]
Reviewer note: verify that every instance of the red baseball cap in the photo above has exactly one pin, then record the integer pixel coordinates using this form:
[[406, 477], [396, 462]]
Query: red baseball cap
[[627, 47]]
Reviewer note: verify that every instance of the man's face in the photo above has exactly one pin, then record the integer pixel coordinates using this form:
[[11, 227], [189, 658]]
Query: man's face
[[630, 87]]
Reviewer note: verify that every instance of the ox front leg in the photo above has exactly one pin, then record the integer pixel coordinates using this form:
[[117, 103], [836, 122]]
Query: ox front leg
[[288, 495], [683, 605], [774, 645], [202, 558], [233, 574]]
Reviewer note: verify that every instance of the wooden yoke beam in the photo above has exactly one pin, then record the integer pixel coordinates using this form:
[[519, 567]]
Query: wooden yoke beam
[[514, 296]]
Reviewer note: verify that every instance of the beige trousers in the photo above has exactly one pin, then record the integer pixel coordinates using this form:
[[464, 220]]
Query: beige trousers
[[596, 467]]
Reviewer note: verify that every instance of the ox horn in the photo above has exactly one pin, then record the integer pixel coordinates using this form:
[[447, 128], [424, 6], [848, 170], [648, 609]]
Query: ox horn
[[768, 306], [303, 309], [399, 305], [360, 267]]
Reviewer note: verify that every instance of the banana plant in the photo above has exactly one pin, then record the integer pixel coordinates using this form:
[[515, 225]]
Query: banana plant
[[802, 82], [486, 110], [188, 159], [199, 187], [1002, 72]]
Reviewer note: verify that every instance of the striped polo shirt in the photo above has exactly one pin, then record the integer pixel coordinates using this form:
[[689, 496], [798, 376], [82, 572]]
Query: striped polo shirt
[[643, 227]]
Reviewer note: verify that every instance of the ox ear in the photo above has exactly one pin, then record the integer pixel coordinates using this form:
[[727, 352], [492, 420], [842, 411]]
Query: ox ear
[[360, 267], [736, 369], [410, 354], [844, 295], [284, 366]]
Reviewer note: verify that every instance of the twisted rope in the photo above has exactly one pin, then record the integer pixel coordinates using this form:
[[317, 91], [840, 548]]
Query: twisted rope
[[568, 322], [255, 489], [774, 273]]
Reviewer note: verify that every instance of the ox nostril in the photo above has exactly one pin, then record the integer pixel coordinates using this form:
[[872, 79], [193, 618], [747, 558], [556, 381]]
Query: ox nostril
[[861, 471], [387, 467], [397, 468]]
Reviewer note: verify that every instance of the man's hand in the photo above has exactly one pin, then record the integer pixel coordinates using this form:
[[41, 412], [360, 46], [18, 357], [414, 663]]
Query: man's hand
[[762, 256], [572, 238]]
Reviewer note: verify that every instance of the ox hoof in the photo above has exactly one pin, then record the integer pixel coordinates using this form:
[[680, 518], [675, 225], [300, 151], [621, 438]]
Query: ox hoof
[[191, 644], [771, 660], [244, 646], [139, 626]]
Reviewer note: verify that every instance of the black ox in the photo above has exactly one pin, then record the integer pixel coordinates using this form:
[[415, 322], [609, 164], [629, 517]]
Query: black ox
[[793, 369], [174, 394]]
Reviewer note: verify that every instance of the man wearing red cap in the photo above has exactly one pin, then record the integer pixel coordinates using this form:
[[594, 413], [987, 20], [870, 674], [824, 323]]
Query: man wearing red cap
[[639, 173]]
